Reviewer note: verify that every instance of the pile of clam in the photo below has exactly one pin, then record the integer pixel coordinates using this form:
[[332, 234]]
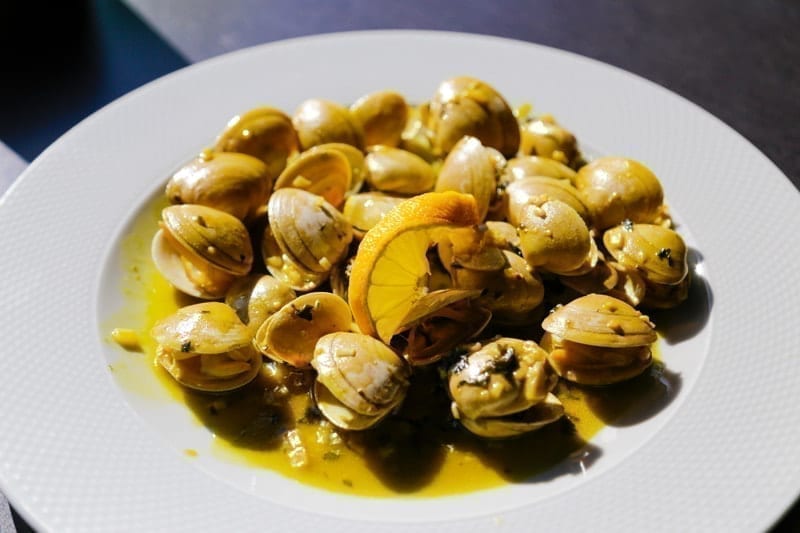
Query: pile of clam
[[265, 224]]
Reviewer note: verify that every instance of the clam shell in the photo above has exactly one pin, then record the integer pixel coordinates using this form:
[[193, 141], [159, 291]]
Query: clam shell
[[600, 320], [361, 372], [320, 121], [468, 106], [382, 116], [502, 377], [265, 133], [531, 166], [291, 334], [212, 235], [324, 171], [398, 171], [545, 138], [536, 417], [615, 189], [256, 297], [472, 168], [657, 252], [308, 229], [595, 365], [208, 327], [537, 189], [554, 236], [238, 184]]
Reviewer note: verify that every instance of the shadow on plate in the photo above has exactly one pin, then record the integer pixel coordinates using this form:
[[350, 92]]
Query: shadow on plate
[[690, 317]]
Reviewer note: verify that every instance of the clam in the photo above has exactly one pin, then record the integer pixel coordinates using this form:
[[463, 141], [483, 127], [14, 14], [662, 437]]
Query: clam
[[468, 106], [324, 171], [533, 165], [597, 340], [308, 229], [286, 269], [206, 347], [416, 137], [238, 184], [472, 168], [265, 133], [510, 293], [617, 189], [320, 121], [358, 167], [658, 253], [382, 116], [398, 171], [256, 297], [521, 192], [554, 237], [201, 250], [364, 210], [289, 336], [502, 388], [543, 137], [360, 380]]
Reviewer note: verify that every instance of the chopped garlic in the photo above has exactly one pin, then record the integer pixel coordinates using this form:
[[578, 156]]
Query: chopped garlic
[[127, 339]]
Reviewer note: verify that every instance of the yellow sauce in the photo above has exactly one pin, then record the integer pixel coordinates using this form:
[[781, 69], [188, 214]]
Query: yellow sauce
[[418, 452]]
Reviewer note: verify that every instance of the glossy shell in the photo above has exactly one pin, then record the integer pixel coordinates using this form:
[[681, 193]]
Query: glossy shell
[[308, 229], [285, 268], [524, 191], [531, 166], [265, 133], [472, 168], [615, 189], [468, 106], [595, 365], [320, 121], [201, 250], [553, 236], [291, 334], [382, 116], [238, 184], [500, 379], [256, 297], [398, 171], [358, 167], [322, 171], [544, 137], [366, 209], [600, 320], [359, 379], [206, 347], [658, 253]]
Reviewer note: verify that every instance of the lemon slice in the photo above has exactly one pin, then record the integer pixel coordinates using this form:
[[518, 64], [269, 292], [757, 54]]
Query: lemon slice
[[390, 272]]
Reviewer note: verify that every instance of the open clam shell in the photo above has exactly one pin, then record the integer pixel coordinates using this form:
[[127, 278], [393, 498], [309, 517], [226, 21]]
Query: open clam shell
[[201, 250], [291, 334], [324, 171], [206, 347]]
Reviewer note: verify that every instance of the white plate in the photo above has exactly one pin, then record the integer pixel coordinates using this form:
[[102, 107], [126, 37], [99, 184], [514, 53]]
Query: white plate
[[80, 452]]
